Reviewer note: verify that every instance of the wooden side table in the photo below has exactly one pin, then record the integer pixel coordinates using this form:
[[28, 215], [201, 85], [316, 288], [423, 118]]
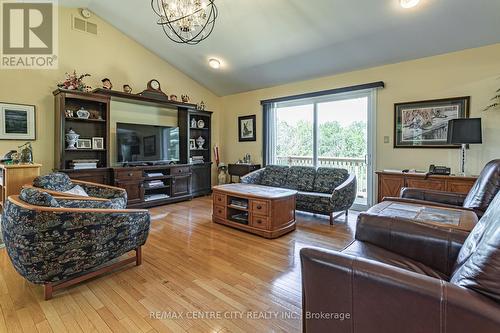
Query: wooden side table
[[240, 169], [14, 176]]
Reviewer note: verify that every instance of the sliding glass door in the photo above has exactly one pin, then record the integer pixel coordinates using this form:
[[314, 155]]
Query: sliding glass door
[[329, 131]]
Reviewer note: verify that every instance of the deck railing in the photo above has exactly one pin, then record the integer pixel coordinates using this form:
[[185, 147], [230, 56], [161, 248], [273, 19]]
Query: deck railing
[[353, 165]]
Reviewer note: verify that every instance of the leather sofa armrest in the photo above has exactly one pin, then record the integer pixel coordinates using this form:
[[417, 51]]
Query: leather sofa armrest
[[342, 293], [449, 198], [343, 196], [253, 177], [434, 246]]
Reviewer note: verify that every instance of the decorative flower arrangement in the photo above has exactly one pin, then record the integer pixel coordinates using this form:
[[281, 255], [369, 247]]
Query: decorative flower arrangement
[[495, 100], [74, 82]]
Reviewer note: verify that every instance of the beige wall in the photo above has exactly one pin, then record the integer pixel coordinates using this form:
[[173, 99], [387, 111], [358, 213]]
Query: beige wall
[[472, 72], [110, 54]]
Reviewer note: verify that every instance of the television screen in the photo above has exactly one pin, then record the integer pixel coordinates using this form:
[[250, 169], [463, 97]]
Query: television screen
[[146, 143]]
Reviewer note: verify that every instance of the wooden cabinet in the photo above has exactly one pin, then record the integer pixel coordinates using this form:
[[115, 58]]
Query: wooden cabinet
[[201, 179], [14, 176], [240, 169], [100, 175], [390, 183], [181, 185]]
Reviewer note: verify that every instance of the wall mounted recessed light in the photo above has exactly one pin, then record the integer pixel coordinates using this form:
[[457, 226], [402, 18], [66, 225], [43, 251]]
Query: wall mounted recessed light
[[214, 63], [408, 3]]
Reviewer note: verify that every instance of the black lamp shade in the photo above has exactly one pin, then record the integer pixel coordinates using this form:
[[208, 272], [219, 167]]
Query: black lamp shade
[[464, 131]]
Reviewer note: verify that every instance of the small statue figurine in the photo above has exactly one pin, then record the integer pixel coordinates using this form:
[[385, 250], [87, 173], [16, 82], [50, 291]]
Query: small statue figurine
[[26, 154], [173, 98], [127, 88], [201, 106], [185, 98], [106, 84], [194, 123]]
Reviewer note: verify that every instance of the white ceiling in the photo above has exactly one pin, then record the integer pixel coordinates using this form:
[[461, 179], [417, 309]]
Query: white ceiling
[[262, 43]]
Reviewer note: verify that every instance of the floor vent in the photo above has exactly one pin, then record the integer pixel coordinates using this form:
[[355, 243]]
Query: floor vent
[[83, 25]]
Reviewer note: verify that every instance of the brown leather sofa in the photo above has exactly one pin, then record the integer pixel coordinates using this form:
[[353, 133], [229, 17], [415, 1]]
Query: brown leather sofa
[[407, 278], [478, 199]]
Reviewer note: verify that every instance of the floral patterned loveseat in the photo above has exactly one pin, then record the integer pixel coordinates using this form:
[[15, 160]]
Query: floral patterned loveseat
[[320, 190], [52, 240]]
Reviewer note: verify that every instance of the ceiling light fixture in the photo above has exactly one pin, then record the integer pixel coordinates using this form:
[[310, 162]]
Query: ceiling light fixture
[[186, 21], [214, 63], [408, 3]]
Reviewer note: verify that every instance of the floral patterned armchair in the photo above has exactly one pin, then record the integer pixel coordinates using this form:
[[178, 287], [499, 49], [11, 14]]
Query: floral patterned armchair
[[60, 241], [57, 183]]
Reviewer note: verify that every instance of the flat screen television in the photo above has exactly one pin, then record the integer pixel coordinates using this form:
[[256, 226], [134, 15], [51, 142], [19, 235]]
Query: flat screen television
[[138, 143]]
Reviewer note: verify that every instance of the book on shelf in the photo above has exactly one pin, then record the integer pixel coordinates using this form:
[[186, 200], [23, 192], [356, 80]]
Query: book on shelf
[[154, 174]]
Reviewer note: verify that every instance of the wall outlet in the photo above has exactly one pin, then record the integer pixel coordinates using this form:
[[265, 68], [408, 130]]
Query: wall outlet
[[386, 139]]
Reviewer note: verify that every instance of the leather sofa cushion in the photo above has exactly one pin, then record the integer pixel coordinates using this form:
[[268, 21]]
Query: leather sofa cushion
[[478, 262], [327, 179], [301, 178], [37, 198], [56, 181], [274, 175], [485, 188], [372, 252]]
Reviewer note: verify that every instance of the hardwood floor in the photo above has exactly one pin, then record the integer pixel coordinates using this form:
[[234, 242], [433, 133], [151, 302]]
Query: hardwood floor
[[196, 276]]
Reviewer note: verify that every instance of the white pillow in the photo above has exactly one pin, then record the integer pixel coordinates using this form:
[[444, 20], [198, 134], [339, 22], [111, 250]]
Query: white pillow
[[77, 190]]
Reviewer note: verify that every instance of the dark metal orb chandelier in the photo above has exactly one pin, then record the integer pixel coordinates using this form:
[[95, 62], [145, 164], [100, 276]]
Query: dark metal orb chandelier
[[186, 21]]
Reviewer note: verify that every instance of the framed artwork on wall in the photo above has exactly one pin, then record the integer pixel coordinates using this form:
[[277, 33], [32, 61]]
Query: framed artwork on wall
[[424, 124], [17, 122], [246, 128]]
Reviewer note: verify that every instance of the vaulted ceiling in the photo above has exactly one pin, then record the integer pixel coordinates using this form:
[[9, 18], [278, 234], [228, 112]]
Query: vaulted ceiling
[[263, 43]]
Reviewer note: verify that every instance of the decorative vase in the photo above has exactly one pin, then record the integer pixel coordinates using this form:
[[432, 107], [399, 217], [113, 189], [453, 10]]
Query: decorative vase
[[200, 142], [72, 139], [83, 114]]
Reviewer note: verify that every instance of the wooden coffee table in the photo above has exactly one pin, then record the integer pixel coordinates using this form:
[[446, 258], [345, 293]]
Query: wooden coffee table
[[265, 211]]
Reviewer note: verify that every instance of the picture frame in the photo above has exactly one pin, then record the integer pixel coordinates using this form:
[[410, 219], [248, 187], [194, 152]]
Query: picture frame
[[424, 124], [97, 143], [17, 121], [149, 145], [246, 128], [192, 144], [84, 144]]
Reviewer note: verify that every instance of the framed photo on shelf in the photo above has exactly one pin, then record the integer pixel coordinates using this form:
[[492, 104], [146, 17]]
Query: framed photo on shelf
[[149, 145], [97, 143], [424, 124], [246, 128], [84, 144], [17, 122], [192, 144]]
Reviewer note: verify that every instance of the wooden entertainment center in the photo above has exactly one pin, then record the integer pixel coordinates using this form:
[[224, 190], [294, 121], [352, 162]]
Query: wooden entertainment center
[[182, 180]]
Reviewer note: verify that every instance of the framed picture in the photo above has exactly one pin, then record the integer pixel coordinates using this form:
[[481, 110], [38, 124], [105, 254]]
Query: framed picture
[[246, 128], [192, 144], [97, 143], [149, 145], [424, 124], [84, 144], [17, 122]]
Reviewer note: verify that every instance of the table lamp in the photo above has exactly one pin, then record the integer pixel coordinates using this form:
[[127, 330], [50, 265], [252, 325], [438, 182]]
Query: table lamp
[[464, 131]]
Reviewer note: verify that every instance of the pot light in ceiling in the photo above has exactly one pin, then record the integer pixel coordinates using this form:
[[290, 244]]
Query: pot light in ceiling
[[214, 63], [408, 3]]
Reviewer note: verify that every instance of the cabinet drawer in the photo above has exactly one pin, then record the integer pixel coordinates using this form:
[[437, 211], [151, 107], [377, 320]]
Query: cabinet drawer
[[260, 222], [219, 199], [128, 174], [180, 170], [427, 184], [220, 211], [260, 207]]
